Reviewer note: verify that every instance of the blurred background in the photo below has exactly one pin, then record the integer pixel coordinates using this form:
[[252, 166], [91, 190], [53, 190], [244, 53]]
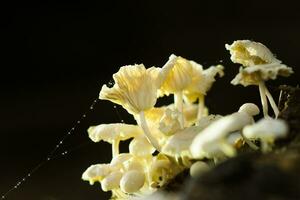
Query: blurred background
[[55, 56]]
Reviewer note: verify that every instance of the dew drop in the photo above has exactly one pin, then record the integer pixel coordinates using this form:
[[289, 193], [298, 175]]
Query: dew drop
[[3, 197], [48, 159], [115, 106], [92, 107], [73, 129], [78, 122], [84, 116], [122, 121], [28, 175]]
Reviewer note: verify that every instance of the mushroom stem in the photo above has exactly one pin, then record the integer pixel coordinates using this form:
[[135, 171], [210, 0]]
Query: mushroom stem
[[178, 100], [115, 148], [227, 149], [143, 124], [272, 102], [201, 107], [265, 147], [263, 98], [250, 143]]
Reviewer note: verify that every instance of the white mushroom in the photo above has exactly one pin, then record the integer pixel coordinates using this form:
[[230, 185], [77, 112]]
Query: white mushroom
[[140, 146], [267, 130], [113, 134], [177, 79], [202, 81], [212, 141], [132, 181], [134, 163], [136, 89], [198, 168], [96, 173], [112, 181], [178, 144], [260, 65], [117, 162]]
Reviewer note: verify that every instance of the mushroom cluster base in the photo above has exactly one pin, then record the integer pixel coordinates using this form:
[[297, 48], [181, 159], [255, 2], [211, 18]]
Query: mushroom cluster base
[[252, 175]]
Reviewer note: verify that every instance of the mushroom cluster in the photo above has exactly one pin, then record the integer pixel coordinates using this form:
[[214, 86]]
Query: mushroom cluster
[[258, 66], [183, 135]]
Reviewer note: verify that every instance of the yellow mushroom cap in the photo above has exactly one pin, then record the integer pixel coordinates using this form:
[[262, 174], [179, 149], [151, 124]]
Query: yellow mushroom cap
[[249, 53], [202, 80], [178, 77], [135, 88], [253, 75], [111, 132]]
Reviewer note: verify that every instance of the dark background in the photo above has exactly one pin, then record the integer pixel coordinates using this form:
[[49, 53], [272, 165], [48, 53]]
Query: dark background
[[56, 55]]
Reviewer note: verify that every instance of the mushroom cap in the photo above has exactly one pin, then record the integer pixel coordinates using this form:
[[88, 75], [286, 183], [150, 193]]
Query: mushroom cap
[[202, 80], [266, 129], [117, 162], [96, 173], [180, 142], [208, 140], [178, 77], [132, 181], [249, 108], [112, 132], [134, 163], [135, 87], [140, 146], [253, 75], [198, 168], [112, 181], [249, 53]]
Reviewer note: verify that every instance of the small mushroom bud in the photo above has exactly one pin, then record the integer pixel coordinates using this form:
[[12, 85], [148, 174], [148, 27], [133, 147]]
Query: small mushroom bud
[[267, 130], [133, 164], [112, 181], [198, 168], [249, 108], [140, 146], [132, 181]]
